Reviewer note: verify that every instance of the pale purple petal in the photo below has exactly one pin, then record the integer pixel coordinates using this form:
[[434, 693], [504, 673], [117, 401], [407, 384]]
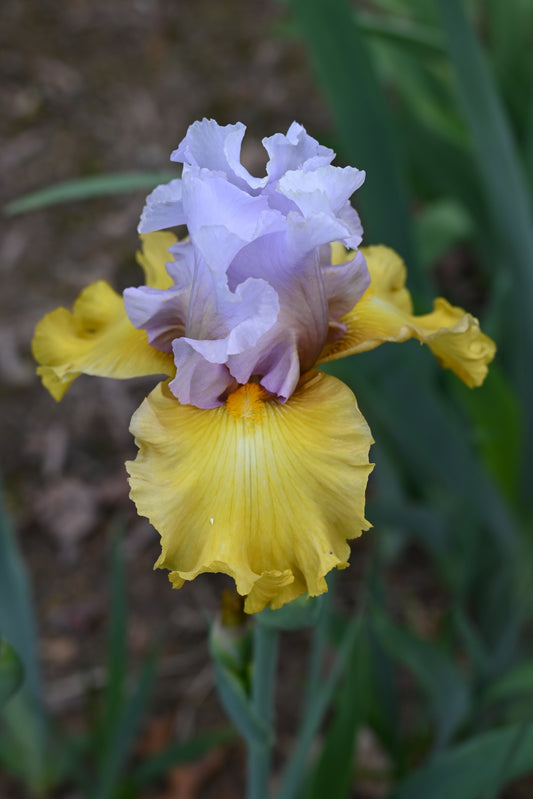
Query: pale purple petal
[[308, 233], [324, 190], [276, 358], [303, 315], [162, 313], [281, 370], [255, 293], [350, 218], [221, 218], [199, 382], [163, 208], [295, 150], [217, 148], [345, 284], [181, 269], [240, 319]]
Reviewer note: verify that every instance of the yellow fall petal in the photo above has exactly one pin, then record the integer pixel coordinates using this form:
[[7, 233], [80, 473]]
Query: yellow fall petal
[[97, 338], [153, 257], [385, 313], [264, 492]]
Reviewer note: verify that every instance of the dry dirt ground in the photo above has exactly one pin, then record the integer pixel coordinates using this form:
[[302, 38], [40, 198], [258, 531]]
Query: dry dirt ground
[[97, 86]]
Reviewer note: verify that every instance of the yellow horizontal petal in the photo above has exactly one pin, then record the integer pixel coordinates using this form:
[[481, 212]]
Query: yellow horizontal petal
[[97, 338], [385, 313], [153, 257], [264, 492]]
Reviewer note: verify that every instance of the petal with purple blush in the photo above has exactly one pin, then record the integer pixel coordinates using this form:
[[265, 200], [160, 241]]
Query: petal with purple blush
[[303, 316], [199, 382], [162, 313], [240, 319], [263, 297], [345, 284]]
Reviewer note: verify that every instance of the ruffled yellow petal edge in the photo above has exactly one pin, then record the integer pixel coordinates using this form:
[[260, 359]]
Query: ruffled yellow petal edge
[[97, 337], [385, 313], [264, 492]]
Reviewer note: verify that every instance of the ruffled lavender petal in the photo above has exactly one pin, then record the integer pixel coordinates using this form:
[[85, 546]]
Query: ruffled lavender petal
[[345, 284], [255, 293], [302, 322], [221, 218], [161, 312], [240, 319], [324, 190], [199, 382], [217, 148], [350, 218], [295, 150], [181, 268], [309, 233], [163, 208], [275, 358]]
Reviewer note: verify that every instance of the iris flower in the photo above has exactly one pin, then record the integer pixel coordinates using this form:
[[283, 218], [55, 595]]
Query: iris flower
[[251, 461]]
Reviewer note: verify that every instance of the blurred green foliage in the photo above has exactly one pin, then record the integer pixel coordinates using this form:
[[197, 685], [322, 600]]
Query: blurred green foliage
[[449, 86]]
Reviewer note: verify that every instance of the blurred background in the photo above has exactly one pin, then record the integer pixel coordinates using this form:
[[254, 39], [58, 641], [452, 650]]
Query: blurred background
[[434, 100]]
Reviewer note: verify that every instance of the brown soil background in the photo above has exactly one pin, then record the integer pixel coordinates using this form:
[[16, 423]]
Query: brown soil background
[[88, 87]]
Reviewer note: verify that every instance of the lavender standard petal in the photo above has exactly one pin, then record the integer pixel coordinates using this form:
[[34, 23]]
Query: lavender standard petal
[[295, 150], [161, 312], [262, 295], [345, 284], [163, 208], [240, 319], [199, 382], [324, 190], [303, 317], [217, 211], [217, 148]]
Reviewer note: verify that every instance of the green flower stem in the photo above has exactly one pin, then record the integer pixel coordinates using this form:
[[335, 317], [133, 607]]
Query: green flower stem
[[315, 712], [263, 682]]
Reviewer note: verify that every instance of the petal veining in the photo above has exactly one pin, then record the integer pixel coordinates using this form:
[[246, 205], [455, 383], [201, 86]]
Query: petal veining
[[266, 493]]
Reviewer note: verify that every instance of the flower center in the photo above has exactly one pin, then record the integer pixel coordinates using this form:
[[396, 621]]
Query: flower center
[[247, 402]]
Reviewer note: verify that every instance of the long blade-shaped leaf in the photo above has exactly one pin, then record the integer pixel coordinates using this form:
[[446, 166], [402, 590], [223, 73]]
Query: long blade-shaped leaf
[[474, 768], [344, 67], [11, 672], [443, 682], [505, 188], [17, 622], [23, 716], [86, 188], [293, 777], [333, 773]]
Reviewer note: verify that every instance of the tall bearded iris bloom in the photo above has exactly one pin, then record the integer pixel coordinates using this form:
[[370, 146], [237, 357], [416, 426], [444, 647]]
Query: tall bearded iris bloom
[[251, 462]]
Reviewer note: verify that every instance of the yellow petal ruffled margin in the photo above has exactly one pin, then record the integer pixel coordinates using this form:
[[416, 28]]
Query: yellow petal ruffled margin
[[97, 338], [385, 313], [264, 492]]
